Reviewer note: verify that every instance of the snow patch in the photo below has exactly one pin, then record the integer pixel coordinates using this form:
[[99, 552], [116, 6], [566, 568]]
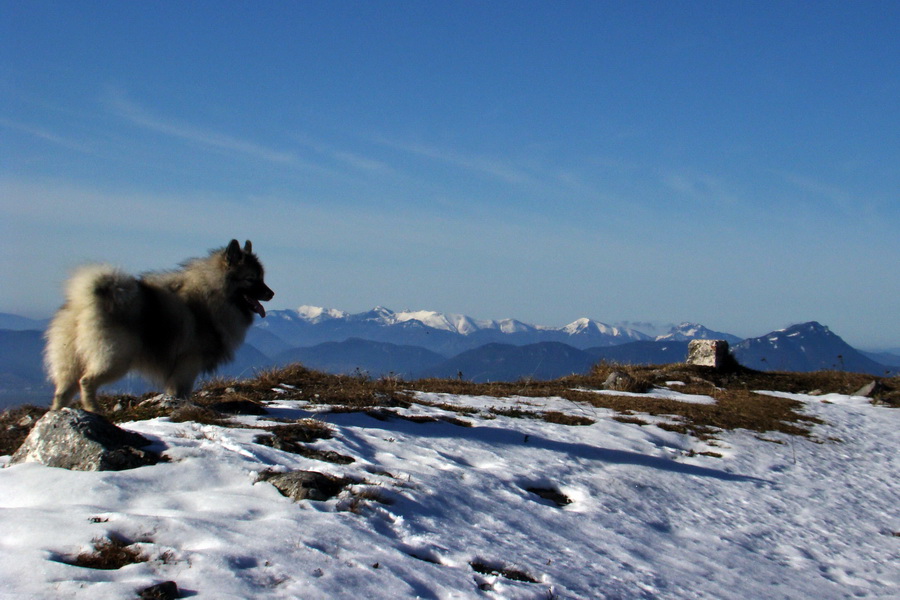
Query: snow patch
[[649, 516]]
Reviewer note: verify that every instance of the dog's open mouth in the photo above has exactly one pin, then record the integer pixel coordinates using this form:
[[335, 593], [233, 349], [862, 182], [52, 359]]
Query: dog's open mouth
[[255, 306]]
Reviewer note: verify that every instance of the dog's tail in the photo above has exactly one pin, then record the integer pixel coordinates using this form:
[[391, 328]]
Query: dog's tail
[[104, 287]]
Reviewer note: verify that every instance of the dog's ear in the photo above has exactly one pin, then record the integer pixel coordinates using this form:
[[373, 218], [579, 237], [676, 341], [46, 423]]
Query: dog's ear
[[233, 254], [248, 247]]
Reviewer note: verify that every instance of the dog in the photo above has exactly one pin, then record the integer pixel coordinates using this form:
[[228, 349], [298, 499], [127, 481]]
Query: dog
[[170, 326]]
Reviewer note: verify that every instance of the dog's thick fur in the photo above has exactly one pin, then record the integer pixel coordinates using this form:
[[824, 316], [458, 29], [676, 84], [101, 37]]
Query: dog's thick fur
[[171, 326]]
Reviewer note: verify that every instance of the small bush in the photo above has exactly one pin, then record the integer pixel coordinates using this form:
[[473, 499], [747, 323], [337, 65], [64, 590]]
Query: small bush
[[109, 554], [507, 572]]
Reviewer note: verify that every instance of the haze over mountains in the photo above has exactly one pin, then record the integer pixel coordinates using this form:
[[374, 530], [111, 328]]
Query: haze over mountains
[[414, 344]]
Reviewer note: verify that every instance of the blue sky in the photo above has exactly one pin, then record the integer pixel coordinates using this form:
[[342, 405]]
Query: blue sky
[[735, 164]]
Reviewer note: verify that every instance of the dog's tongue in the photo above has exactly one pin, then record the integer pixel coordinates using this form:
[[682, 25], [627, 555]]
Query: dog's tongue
[[256, 307]]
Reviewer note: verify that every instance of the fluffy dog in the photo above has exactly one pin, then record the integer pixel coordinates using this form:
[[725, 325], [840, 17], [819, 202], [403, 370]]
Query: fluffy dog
[[171, 326]]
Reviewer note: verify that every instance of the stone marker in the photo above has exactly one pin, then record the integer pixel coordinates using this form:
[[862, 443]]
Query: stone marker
[[708, 353]]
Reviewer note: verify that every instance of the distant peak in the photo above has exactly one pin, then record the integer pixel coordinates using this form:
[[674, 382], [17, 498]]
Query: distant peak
[[813, 326], [591, 327], [317, 313], [578, 325]]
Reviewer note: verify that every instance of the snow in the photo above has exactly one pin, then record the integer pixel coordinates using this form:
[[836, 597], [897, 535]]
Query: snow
[[445, 322], [317, 314], [780, 517], [461, 324], [514, 326], [664, 394], [584, 325]]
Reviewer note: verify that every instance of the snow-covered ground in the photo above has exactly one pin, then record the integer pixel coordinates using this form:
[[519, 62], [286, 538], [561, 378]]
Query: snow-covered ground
[[649, 517]]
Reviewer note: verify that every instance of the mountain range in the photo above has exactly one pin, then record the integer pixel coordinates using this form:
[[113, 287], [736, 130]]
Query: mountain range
[[416, 344], [446, 334]]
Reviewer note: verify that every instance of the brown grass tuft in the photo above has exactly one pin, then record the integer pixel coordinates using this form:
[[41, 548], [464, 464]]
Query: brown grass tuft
[[109, 554], [507, 572], [293, 437]]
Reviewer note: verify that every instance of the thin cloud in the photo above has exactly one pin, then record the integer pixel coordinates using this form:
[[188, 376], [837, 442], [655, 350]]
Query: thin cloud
[[830, 193], [354, 160], [138, 115], [701, 187], [494, 168], [46, 135], [360, 162]]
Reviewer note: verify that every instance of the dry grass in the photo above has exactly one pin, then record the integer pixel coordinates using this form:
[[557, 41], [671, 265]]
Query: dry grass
[[737, 406], [109, 554], [363, 495], [16, 424], [296, 382], [193, 413], [497, 570], [293, 437]]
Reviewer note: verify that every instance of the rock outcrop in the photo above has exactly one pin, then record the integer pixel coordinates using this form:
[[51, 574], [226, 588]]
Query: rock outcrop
[[83, 441]]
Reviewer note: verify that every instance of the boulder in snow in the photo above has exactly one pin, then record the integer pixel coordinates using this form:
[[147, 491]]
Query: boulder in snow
[[167, 590], [305, 485], [83, 441]]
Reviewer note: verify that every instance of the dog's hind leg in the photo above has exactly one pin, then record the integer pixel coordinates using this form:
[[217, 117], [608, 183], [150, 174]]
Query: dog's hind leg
[[64, 394], [94, 378], [180, 382], [181, 388], [89, 387], [64, 369], [61, 358], [91, 382]]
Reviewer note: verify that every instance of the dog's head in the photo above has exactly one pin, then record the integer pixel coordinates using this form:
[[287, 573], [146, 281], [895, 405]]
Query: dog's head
[[247, 287]]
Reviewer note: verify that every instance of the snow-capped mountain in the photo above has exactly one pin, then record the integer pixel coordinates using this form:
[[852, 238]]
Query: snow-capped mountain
[[805, 347], [445, 333], [316, 314], [588, 326], [453, 323], [693, 331]]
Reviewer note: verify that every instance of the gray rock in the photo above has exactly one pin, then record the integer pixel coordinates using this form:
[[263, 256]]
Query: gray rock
[[869, 389], [83, 441], [167, 590], [618, 381], [708, 353], [305, 485], [165, 401]]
